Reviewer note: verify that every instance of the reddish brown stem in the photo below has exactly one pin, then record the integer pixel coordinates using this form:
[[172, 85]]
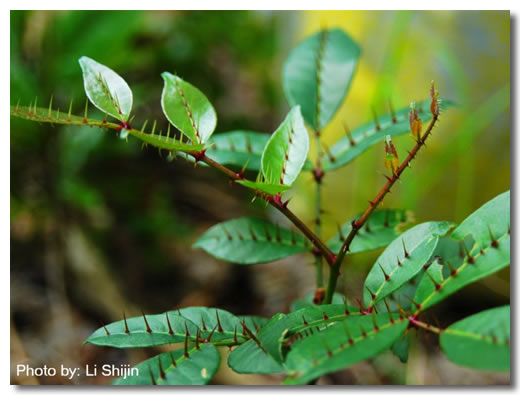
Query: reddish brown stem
[[358, 224]]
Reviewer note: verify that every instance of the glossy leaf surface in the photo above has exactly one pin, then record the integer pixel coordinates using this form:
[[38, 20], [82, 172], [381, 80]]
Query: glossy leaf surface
[[317, 74], [286, 151], [251, 240], [106, 89], [187, 108]]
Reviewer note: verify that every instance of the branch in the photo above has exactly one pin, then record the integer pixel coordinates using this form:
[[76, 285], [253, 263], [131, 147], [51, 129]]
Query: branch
[[358, 224], [277, 203]]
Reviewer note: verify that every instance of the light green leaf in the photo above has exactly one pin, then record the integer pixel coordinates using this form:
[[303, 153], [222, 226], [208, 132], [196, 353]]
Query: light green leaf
[[341, 345], [270, 189], [164, 142], [251, 240], [286, 151], [480, 341], [250, 358], [382, 227], [237, 148], [187, 109], [401, 265], [197, 369], [106, 89], [367, 135], [489, 228], [317, 74]]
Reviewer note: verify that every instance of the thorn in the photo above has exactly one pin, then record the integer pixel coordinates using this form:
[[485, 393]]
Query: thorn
[[252, 233], [406, 255], [367, 228], [349, 135], [70, 110], [50, 108], [151, 376], [106, 330], [360, 304], [363, 333], [372, 295], [347, 332], [186, 329], [143, 128], [148, 329], [347, 312], [387, 277], [325, 317], [453, 271], [218, 322], [293, 236], [235, 335], [418, 305], [86, 111], [378, 126], [267, 234], [161, 371], [470, 258], [278, 235], [399, 263], [394, 118], [494, 242], [437, 285], [331, 157], [340, 232], [329, 352], [173, 360], [208, 340], [304, 321], [389, 311], [126, 324], [197, 339], [186, 355], [153, 126], [170, 330], [374, 322], [387, 219]]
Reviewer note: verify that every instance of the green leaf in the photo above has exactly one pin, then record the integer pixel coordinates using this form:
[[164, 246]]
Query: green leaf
[[251, 240], [401, 346], [420, 242], [250, 358], [164, 142], [367, 135], [237, 148], [382, 227], [187, 109], [184, 322], [488, 254], [115, 334], [286, 151], [317, 74], [197, 369], [491, 221], [106, 89], [480, 341], [270, 189], [341, 345], [307, 301]]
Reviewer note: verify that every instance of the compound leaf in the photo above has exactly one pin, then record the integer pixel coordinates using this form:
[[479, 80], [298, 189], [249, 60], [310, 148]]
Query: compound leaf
[[402, 260], [480, 341], [175, 368], [317, 74], [367, 135], [106, 89], [286, 151], [251, 240], [382, 227], [308, 301], [187, 108], [341, 345], [164, 142], [238, 147]]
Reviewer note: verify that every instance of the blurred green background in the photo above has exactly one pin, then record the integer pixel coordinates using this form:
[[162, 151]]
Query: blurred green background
[[100, 226]]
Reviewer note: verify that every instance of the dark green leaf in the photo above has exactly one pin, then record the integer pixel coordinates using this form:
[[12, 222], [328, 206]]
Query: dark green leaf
[[317, 74], [382, 227], [393, 268], [341, 345], [188, 109], [237, 148], [106, 89], [251, 240], [480, 341], [307, 301], [365, 136], [401, 346], [286, 151], [197, 369]]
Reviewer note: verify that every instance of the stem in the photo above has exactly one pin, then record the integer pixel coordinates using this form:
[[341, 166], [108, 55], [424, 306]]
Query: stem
[[318, 174], [415, 322], [276, 203], [334, 269]]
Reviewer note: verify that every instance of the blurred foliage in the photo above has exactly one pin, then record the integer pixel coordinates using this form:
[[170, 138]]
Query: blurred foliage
[[99, 225]]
